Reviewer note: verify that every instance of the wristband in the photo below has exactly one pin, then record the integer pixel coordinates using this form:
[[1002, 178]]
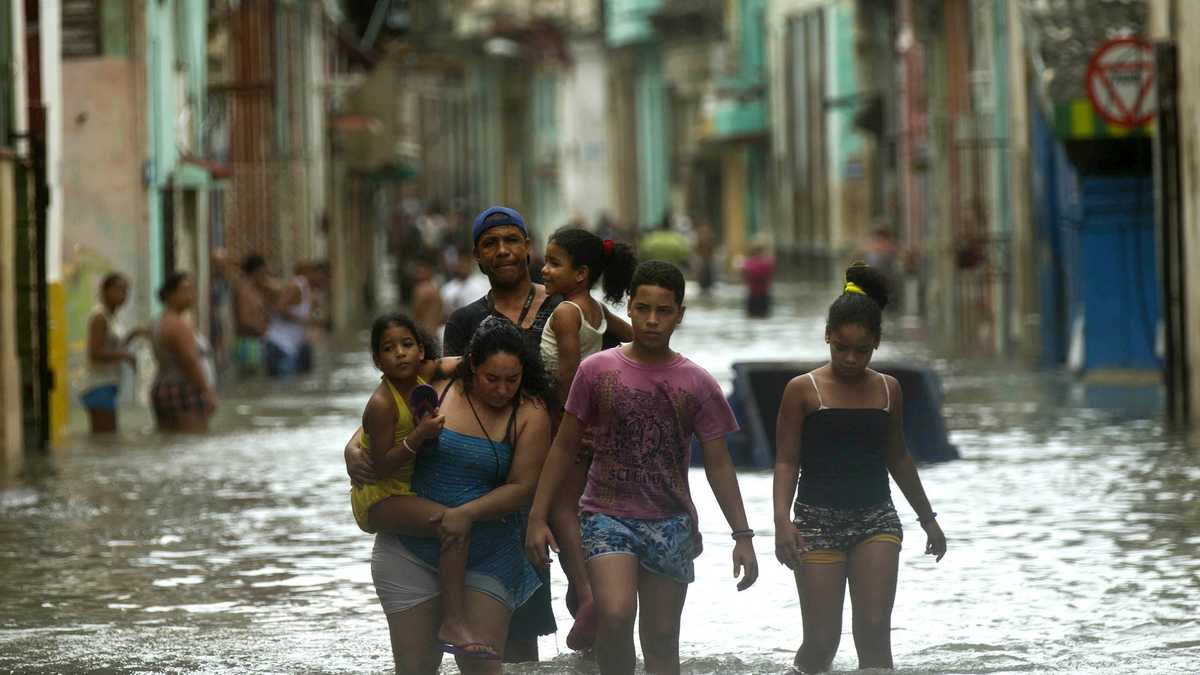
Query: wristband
[[739, 534], [928, 518], [408, 447]]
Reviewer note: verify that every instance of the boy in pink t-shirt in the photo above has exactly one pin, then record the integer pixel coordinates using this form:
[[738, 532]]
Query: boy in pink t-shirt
[[643, 403]]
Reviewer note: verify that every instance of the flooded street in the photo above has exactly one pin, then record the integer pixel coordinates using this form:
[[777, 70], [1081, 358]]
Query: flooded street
[[1073, 520]]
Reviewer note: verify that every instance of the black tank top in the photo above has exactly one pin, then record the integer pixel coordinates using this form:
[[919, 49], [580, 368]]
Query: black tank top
[[842, 455]]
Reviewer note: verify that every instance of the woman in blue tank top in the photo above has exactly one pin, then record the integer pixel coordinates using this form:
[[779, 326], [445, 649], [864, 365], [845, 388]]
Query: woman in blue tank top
[[840, 428], [484, 470]]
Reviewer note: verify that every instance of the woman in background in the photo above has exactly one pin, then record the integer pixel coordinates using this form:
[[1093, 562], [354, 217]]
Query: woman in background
[[183, 394]]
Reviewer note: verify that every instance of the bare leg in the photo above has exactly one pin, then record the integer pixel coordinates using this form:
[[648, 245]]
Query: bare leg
[[452, 577], [873, 570], [404, 514], [661, 599], [489, 620], [564, 519], [822, 589], [521, 650], [103, 421], [614, 584], [412, 634], [410, 515]]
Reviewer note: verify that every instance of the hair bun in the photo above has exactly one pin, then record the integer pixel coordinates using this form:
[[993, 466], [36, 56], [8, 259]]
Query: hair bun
[[871, 280]]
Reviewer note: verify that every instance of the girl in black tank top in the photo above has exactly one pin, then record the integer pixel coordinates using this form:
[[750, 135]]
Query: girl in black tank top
[[839, 434]]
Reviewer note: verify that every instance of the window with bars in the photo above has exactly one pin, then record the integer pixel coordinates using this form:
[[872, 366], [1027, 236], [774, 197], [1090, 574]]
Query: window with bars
[[81, 31]]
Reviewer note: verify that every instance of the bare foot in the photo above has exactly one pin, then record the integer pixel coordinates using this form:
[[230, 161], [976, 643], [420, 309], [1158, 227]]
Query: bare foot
[[583, 633]]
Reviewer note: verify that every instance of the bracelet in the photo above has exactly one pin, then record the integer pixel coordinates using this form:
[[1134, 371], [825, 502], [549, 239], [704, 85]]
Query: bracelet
[[407, 446], [928, 518], [739, 534]]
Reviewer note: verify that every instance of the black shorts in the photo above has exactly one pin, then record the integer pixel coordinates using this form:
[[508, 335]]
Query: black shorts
[[536, 616], [830, 532]]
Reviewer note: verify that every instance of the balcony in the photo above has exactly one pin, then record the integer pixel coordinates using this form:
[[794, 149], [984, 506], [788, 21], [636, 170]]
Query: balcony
[[629, 21], [728, 118]]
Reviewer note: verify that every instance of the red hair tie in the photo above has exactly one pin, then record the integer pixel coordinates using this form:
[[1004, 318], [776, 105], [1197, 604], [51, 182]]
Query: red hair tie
[[608, 247]]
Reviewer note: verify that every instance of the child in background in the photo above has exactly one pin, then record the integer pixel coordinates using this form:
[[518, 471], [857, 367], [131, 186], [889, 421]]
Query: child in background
[[643, 403], [393, 438], [841, 428], [575, 260], [106, 351]]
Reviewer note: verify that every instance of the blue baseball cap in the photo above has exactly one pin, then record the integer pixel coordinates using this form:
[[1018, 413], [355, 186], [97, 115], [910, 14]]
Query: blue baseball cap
[[497, 216]]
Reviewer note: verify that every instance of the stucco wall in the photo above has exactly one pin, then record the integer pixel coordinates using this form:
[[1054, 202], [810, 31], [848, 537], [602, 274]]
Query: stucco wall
[[1187, 22], [104, 199], [584, 143], [11, 449]]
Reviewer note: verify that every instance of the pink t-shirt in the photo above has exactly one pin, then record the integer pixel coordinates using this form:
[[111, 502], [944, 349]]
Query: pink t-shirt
[[758, 272], [642, 419]]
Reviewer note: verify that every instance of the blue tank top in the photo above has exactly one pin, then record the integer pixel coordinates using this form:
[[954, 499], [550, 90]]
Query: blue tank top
[[461, 469]]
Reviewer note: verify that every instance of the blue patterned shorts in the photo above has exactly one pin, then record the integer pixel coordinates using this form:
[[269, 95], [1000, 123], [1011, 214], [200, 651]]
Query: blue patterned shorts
[[661, 546]]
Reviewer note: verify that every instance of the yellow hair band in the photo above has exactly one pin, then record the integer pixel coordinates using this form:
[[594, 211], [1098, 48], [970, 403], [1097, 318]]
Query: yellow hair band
[[852, 287]]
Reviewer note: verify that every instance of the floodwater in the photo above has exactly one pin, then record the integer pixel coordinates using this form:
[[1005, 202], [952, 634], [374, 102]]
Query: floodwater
[[1072, 520]]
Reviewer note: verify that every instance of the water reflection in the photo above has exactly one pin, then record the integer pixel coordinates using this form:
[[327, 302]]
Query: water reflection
[[1074, 526]]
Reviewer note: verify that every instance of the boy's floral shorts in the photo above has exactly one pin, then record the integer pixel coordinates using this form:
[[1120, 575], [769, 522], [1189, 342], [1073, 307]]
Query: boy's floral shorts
[[661, 546]]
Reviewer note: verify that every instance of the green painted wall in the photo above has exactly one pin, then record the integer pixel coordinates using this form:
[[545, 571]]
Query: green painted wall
[[544, 130], [751, 42], [843, 140], [115, 27], [628, 21], [756, 182], [176, 34], [485, 109], [1000, 120], [652, 136]]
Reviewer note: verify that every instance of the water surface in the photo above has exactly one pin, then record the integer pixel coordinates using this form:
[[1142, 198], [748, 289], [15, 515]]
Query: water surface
[[1073, 519]]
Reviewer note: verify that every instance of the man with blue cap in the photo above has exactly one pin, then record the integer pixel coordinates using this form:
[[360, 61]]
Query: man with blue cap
[[502, 250]]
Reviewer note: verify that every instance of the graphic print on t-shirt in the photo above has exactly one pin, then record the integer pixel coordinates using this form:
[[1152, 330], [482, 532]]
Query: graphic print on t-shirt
[[642, 419], [645, 443]]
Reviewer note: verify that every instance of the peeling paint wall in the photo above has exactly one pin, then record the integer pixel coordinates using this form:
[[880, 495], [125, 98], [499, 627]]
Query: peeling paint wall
[[104, 204]]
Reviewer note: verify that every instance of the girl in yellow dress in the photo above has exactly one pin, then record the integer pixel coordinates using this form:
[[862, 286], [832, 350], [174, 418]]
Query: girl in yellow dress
[[393, 439]]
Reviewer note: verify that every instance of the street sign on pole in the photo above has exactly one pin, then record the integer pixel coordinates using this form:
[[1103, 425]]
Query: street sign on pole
[[1120, 82]]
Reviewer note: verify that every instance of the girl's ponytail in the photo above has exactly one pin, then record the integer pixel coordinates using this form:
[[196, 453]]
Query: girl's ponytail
[[620, 261], [613, 260]]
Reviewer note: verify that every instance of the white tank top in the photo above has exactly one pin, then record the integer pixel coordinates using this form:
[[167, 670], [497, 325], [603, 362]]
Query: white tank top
[[108, 372], [289, 330], [591, 340]]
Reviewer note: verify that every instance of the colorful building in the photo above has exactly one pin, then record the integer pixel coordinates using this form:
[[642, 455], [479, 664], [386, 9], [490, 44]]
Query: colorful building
[[1094, 200], [32, 336]]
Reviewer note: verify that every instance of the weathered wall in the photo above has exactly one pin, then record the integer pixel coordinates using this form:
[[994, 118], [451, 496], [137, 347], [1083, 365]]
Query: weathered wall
[[104, 200], [1025, 308], [1187, 23], [11, 448], [584, 143]]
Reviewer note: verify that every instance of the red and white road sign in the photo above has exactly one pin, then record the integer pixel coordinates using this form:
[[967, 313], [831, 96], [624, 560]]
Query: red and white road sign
[[1120, 82]]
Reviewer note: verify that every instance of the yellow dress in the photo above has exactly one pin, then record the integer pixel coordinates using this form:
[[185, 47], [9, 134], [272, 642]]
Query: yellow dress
[[398, 484]]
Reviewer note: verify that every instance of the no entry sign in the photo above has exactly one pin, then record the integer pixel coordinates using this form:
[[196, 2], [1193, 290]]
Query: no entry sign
[[1120, 82]]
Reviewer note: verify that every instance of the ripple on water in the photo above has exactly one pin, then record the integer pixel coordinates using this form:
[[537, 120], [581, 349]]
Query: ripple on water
[[1072, 529]]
